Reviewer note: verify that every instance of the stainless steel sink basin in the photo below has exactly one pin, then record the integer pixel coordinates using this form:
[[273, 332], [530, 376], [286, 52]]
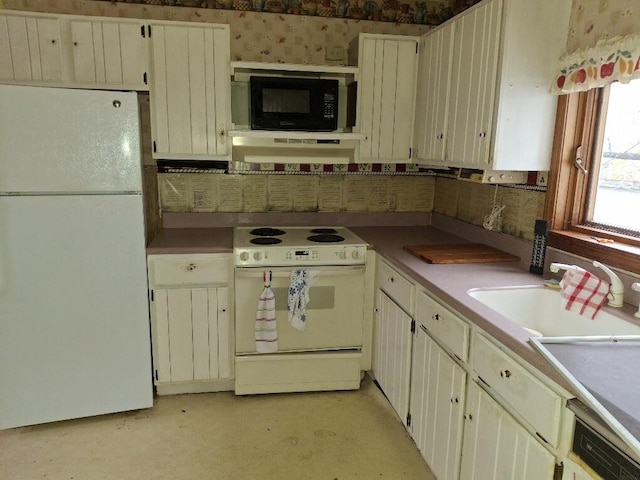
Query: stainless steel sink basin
[[540, 311]]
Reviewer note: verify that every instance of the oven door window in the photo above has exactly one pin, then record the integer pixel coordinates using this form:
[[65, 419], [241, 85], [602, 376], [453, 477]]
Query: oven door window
[[334, 312]]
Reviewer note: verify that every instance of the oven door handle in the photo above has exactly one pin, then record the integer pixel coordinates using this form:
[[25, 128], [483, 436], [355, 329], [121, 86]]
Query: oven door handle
[[282, 273]]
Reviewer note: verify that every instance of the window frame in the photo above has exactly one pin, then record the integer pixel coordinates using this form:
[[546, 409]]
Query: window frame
[[567, 190]]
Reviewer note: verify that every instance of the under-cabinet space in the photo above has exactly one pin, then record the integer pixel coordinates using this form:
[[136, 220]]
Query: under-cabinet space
[[438, 386], [191, 322], [496, 447]]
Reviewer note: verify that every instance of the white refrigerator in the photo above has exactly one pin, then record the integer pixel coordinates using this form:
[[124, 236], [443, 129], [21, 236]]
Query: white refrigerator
[[74, 319]]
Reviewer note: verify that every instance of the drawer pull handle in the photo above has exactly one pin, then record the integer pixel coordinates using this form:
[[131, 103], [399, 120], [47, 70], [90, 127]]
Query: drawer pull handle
[[505, 374], [436, 317], [191, 267]]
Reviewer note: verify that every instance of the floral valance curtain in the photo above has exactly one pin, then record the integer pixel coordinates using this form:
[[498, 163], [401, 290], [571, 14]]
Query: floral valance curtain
[[611, 59]]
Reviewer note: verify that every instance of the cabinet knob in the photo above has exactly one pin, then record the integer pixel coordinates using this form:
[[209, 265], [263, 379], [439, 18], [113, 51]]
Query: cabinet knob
[[391, 279], [191, 267], [436, 317], [482, 134], [440, 136], [505, 374]]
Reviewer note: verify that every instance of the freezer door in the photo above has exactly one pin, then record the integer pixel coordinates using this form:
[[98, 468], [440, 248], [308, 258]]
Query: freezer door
[[64, 140], [74, 320]]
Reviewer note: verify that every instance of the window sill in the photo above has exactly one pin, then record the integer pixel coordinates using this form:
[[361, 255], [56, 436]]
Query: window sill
[[617, 254]]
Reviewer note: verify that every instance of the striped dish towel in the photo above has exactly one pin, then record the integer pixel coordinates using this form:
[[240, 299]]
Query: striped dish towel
[[266, 328], [583, 292]]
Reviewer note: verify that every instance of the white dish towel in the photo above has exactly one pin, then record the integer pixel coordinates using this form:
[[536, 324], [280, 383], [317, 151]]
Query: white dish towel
[[266, 328], [301, 281]]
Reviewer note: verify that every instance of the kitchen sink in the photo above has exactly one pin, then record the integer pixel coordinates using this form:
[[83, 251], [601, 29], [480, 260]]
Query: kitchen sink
[[539, 310]]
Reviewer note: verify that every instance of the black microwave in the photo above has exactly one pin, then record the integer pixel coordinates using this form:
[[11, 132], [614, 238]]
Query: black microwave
[[285, 103]]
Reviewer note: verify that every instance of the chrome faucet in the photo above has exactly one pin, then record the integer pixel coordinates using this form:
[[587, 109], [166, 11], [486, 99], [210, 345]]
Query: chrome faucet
[[616, 292]]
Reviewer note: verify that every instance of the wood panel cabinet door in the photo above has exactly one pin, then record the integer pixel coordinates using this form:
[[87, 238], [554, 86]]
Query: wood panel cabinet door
[[386, 97], [432, 95], [496, 447], [436, 406], [474, 81], [109, 53], [191, 334], [190, 91], [392, 353], [30, 49]]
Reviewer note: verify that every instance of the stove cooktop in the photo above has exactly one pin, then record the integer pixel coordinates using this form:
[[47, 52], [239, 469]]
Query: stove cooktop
[[282, 246]]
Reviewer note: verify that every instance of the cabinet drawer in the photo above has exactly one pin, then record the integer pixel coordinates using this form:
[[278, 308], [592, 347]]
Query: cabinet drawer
[[177, 270], [443, 325], [533, 400], [396, 286]]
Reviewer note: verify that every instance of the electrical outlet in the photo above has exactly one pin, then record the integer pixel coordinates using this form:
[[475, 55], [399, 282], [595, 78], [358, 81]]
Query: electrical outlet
[[334, 54], [541, 179]]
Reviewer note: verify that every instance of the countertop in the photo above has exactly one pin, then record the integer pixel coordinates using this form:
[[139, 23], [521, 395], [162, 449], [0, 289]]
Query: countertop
[[448, 282], [451, 282], [192, 240]]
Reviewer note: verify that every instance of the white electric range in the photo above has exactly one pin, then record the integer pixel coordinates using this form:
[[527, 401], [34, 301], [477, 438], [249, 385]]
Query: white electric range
[[327, 354]]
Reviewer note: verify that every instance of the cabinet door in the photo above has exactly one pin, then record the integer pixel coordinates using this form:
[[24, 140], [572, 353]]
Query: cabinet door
[[191, 334], [191, 84], [392, 353], [30, 49], [432, 95], [474, 77], [386, 97], [108, 53], [496, 447], [437, 402]]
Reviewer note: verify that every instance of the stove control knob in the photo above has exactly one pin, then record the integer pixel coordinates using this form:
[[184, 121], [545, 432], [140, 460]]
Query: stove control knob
[[355, 254], [244, 256], [257, 256], [342, 255]]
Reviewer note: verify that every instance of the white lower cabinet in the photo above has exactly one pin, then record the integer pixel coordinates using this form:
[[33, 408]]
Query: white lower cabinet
[[392, 353], [436, 406], [496, 447], [191, 323]]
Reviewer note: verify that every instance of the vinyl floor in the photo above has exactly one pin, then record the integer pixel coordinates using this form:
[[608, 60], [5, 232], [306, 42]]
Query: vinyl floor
[[325, 436]]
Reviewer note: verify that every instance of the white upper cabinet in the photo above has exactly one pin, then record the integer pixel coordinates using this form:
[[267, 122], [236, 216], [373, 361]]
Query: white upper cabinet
[[500, 112], [386, 96], [190, 90], [30, 48], [109, 53], [73, 51], [432, 95]]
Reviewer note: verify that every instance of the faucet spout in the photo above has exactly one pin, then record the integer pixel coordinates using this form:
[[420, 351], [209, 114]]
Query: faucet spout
[[556, 267], [616, 292]]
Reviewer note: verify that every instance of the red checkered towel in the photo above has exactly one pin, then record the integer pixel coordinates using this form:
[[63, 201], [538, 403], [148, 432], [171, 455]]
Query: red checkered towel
[[583, 292]]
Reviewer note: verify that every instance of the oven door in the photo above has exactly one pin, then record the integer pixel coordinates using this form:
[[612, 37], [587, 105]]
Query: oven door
[[334, 312]]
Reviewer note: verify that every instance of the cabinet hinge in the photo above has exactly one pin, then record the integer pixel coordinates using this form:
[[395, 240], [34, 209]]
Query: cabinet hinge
[[408, 419], [413, 326], [144, 77], [152, 296], [149, 31], [154, 147], [541, 438], [417, 47], [142, 31], [156, 374], [410, 152]]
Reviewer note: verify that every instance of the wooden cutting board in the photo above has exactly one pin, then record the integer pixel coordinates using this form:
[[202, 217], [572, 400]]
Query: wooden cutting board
[[460, 253]]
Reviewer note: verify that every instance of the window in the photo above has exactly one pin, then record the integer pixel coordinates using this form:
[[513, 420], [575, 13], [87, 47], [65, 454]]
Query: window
[[613, 198], [593, 197]]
